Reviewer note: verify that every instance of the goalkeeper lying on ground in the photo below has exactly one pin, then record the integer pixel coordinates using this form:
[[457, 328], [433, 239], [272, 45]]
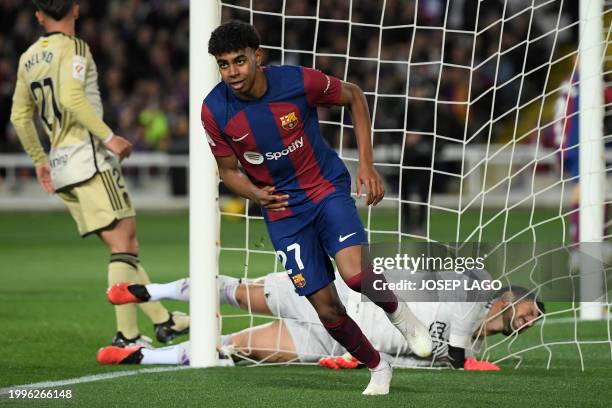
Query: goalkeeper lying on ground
[[456, 328]]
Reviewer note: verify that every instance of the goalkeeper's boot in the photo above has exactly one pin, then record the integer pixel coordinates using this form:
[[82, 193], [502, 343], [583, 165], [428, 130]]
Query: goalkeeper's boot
[[119, 355], [121, 341], [415, 333], [347, 361], [176, 325], [124, 293], [380, 379]]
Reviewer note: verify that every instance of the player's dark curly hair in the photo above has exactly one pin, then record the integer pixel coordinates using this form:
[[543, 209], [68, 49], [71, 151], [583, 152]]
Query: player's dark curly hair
[[521, 294], [233, 36], [56, 9]]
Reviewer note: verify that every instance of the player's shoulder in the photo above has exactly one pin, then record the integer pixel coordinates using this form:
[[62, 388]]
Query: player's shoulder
[[288, 78], [215, 104], [286, 74], [81, 48], [216, 99], [218, 93], [32, 49]]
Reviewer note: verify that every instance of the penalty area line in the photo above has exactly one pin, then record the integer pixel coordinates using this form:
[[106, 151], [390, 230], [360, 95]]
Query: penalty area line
[[89, 378]]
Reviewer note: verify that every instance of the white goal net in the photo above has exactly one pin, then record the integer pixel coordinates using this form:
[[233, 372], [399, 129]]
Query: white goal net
[[474, 108]]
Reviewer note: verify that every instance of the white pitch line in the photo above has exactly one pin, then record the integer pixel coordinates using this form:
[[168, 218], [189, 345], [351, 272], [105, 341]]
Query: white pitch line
[[89, 378]]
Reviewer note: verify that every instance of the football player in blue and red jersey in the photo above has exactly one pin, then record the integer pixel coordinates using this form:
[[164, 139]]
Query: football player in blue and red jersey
[[265, 118]]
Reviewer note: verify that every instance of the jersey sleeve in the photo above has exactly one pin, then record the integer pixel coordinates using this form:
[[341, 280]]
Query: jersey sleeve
[[72, 94], [21, 117], [217, 143], [321, 89]]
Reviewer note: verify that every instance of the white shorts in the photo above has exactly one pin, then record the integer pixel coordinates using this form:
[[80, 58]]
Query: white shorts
[[310, 338]]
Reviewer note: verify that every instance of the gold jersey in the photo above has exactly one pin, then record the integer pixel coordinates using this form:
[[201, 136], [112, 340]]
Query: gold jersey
[[58, 81]]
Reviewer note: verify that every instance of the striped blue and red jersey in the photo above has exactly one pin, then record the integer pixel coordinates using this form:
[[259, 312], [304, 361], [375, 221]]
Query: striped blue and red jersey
[[277, 138]]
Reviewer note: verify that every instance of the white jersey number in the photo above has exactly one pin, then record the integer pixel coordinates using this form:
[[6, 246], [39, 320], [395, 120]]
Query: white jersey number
[[297, 255]]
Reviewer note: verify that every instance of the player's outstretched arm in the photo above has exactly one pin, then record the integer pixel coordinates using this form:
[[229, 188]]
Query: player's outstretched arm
[[353, 97], [240, 184]]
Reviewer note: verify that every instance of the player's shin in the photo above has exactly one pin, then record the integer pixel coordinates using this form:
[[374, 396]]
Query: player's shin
[[120, 269], [346, 332]]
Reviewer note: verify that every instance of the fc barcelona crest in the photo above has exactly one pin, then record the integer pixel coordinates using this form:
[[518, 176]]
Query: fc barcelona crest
[[299, 281], [289, 121]]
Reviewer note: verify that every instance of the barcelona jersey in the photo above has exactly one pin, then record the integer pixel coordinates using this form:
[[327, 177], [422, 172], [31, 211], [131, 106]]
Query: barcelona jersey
[[277, 138]]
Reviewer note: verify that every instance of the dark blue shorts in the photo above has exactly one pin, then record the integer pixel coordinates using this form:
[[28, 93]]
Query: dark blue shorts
[[305, 242]]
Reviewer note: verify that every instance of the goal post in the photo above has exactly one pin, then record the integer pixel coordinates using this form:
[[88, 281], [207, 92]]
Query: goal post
[[203, 192], [592, 174]]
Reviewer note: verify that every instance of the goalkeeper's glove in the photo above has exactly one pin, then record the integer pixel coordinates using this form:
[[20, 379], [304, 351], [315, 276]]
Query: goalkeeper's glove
[[471, 364], [336, 363]]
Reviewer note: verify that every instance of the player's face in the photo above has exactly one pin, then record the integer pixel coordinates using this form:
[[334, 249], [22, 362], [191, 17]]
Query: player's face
[[239, 69], [521, 317]]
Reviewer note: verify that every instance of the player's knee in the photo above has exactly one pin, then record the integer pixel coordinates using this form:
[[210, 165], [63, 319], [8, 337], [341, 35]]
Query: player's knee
[[332, 312]]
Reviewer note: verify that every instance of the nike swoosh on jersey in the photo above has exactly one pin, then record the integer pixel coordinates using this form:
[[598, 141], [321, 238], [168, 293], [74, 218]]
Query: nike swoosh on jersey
[[344, 238], [240, 138]]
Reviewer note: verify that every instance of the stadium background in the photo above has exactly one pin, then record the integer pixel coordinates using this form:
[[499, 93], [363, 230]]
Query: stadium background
[[53, 309]]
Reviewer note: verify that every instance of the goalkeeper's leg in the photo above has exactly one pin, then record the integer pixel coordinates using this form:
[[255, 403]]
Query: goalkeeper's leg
[[271, 343], [232, 291], [174, 355]]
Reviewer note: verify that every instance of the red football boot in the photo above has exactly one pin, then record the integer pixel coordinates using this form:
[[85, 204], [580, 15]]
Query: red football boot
[[119, 355], [120, 294]]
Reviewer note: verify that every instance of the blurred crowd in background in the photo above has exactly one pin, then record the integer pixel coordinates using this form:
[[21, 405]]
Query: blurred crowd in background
[[141, 50]]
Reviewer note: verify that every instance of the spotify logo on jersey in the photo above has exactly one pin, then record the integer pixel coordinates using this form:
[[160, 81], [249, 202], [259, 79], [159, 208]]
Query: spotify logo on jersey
[[253, 157]]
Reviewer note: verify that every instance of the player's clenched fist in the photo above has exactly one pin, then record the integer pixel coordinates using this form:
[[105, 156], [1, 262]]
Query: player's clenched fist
[[267, 198]]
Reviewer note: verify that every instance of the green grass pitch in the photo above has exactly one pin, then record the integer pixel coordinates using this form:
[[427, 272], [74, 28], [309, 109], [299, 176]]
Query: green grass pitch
[[54, 317]]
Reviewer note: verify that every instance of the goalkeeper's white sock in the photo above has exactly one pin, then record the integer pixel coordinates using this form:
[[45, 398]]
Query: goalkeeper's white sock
[[178, 354], [177, 290], [226, 339], [227, 290]]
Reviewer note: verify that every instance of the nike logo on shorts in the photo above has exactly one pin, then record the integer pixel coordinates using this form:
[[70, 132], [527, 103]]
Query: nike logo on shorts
[[344, 238], [240, 138]]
